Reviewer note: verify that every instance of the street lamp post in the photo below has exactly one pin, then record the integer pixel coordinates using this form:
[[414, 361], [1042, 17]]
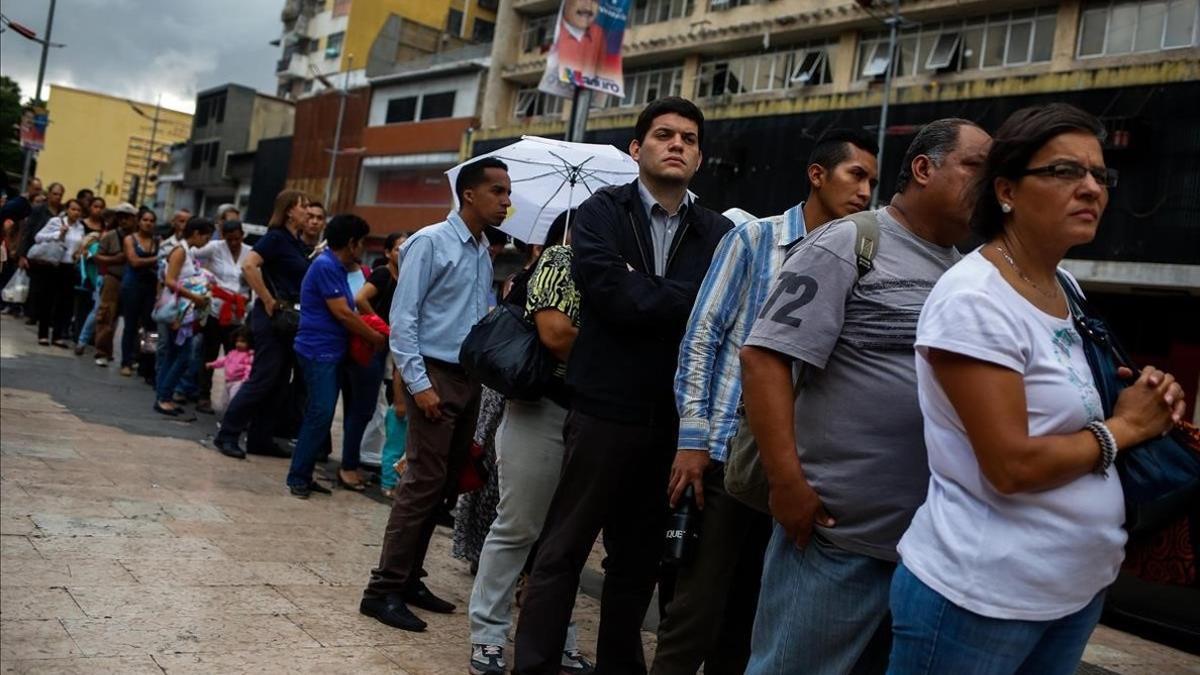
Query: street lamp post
[[150, 150], [337, 133], [38, 92], [893, 23]]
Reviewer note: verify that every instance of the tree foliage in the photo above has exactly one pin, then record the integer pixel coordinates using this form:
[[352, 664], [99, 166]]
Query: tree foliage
[[10, 120]]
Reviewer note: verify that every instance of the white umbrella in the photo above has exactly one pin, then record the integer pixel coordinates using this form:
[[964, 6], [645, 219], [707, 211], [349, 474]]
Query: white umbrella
[[549, 177]]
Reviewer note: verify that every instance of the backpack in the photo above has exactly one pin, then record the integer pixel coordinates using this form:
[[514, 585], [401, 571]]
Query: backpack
[[745, 479]]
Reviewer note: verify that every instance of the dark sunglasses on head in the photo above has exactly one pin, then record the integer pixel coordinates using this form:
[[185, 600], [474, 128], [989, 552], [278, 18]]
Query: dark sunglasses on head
[[1074, 171]]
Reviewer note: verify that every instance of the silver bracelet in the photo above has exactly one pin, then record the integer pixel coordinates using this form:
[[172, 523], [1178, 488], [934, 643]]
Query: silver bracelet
[[1108, 446]]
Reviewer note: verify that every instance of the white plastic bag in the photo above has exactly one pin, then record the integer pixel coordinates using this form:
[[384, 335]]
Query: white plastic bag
[[17, 289]]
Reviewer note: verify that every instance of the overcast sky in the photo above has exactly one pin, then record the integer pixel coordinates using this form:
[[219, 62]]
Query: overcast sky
[[141, 48]]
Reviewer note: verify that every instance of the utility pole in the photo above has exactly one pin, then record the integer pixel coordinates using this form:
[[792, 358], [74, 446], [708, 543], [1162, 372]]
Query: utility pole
[[893, 23], [150, 150], [581, 104], [337, 133], [37, 97]]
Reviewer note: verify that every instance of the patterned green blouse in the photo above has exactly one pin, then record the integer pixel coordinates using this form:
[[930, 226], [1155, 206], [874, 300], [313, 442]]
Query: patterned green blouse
[[551, 286]]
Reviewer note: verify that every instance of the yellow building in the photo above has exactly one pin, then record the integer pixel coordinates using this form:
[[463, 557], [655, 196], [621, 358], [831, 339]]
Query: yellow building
[[102, 142], [332, 36]]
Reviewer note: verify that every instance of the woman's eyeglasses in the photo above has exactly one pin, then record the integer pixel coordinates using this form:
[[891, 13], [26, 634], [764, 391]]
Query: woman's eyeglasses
[[1073, 171]]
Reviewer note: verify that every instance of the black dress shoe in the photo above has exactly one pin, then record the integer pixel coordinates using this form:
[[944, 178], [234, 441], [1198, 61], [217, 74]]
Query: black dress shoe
[[271, 450], [419, 595], [229, 448], [299, 491], [391, 611], [319, 489]]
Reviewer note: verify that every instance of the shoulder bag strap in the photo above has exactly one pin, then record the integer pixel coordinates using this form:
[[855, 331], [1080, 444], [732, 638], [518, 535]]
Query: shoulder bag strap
[[866, 241]]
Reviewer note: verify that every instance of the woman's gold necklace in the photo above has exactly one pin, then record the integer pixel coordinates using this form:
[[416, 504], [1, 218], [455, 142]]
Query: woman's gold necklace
[[1052, 294]]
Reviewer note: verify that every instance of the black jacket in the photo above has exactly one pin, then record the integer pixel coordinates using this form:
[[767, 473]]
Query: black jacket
[[622, 366]]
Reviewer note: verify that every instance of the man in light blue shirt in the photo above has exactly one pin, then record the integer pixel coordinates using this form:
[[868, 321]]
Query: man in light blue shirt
[[441, 292], [710, 617]]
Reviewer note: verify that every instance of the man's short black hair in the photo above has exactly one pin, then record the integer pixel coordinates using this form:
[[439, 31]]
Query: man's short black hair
[[665, 106], [935, 140], [474, 173], [833, 147], [197, 224], [345, 228]]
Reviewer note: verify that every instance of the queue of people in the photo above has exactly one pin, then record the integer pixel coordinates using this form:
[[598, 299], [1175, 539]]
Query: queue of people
[[898, 521]]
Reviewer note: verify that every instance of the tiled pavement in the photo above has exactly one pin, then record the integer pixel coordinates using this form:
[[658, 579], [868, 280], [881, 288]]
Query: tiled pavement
[[147, 552]]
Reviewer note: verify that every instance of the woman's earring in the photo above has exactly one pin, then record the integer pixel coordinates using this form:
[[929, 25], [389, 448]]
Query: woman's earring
[[1006, 208]]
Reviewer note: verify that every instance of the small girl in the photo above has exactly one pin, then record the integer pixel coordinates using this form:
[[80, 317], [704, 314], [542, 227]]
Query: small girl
[[236, 364]]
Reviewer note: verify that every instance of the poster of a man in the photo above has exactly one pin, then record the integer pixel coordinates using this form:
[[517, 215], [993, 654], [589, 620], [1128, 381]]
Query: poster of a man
[[587, 48]]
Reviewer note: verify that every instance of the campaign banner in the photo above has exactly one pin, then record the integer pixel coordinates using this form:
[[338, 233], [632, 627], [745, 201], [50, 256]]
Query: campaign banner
[[33, 128], [587, 48]]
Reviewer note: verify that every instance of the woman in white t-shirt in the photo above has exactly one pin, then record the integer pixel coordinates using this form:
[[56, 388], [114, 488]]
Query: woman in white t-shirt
[[1004, 567], [56, 280]]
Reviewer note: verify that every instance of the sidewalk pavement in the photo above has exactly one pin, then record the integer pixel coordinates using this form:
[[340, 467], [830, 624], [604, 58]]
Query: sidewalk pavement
[[128, 546]]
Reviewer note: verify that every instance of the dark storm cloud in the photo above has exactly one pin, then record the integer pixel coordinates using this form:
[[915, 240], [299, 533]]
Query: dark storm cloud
[[142, 48]]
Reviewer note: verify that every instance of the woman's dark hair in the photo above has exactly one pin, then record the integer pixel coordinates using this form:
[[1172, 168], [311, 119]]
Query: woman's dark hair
[[665, 106], [142, 210], [197, 225], [473, 174], [67, 204], [1013, 145], [284, 202], [390, 242], [345, 228], [97, 199], [558, 229]]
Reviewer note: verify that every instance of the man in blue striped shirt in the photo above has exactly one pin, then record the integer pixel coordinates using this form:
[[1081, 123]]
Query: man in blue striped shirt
[[710, 618]]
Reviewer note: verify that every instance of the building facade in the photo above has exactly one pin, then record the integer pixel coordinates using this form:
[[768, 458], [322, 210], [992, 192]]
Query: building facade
[[104, 143], [336, 36], [229, 123], [772, 75]]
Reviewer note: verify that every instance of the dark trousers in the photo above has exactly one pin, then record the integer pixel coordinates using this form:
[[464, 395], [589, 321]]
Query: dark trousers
[[256, 406], [215, 336], [360, 393], [436, 452], [710, 619], [137, 303], [615, 481], [56, 299]]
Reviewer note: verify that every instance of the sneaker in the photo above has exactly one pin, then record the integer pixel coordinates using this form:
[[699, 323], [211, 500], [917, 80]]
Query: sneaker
[[487, 660], [574, 663], [101, 361], [126, 371]]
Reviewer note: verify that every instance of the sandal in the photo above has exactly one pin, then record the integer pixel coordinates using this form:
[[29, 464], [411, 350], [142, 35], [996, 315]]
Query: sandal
[[169, 412], [357, 486]]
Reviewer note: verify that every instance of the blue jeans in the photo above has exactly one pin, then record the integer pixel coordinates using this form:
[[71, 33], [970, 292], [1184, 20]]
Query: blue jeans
[[172, 360], [933, 635], [88, 330], [358, 405], [321, 382], [820, 610], [188, 382]]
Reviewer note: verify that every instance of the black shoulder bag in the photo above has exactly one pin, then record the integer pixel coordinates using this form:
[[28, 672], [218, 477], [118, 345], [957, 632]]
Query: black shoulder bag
[[1161, 476], [503, 352], [285, 322]]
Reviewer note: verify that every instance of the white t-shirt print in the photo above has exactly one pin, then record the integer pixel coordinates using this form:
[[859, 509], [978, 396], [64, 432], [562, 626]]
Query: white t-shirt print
[[1031, 556]]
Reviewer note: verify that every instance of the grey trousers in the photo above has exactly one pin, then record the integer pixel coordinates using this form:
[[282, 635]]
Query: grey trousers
[[529, 459]]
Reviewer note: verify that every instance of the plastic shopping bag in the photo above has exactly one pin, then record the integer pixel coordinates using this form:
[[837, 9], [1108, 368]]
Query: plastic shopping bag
[[17, 289]]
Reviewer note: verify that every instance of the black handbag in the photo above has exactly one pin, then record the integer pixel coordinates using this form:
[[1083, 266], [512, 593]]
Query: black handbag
[[503, 352], [285, 322], [1161, 476]]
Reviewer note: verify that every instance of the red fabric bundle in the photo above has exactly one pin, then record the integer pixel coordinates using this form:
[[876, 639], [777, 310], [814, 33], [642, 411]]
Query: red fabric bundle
[[362, 351]]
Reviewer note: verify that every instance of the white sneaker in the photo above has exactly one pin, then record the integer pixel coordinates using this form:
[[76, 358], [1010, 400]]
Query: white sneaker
[[101, 361], [487, 660]]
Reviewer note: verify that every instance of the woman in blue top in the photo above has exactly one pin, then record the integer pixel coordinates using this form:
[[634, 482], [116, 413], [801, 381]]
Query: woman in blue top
[[327, 319], [138, 286]]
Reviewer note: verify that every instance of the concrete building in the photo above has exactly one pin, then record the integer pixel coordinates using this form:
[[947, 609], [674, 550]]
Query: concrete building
[[399, 135], [335, 36], [102, 143], [772, 75], [230, 122]]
